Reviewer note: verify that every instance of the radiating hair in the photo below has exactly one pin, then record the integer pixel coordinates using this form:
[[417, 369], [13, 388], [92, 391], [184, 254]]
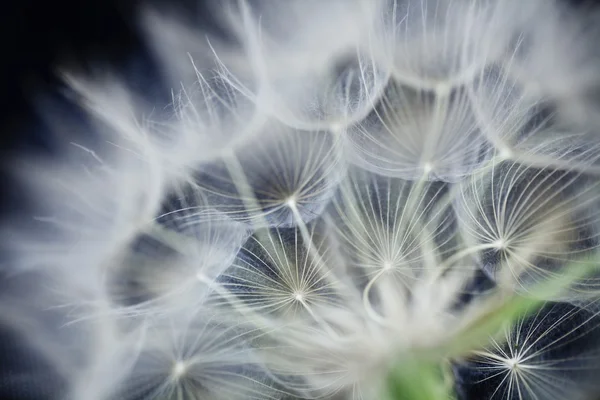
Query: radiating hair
[[331, 188]]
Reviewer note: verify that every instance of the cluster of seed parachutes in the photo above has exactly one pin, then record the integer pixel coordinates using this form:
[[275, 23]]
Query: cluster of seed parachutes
[[349, 182]]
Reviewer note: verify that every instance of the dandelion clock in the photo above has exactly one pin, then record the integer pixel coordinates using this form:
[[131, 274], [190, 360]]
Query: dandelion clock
[[337, 200]]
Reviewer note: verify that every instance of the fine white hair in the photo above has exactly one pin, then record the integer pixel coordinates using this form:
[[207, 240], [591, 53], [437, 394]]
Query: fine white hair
[[331, 187]]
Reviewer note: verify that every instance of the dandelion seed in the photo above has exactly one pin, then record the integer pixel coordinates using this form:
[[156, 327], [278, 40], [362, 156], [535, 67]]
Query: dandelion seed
[[549, 355], [436, 44], [78, 226], [174, 263], [393, 225], [280, 273], [301, 80], [526, 127], [561, 29], [195, 356], [413, 134], [288, 175], [534, 221]]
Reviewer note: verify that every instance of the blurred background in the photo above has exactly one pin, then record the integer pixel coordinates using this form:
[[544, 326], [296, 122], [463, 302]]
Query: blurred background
[[36, 37]]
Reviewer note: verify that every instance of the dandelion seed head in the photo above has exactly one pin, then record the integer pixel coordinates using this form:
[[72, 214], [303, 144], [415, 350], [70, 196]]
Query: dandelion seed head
[[335, 187]]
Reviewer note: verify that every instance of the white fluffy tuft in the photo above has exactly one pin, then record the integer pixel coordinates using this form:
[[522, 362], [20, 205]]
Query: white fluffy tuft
[[332, 188]]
